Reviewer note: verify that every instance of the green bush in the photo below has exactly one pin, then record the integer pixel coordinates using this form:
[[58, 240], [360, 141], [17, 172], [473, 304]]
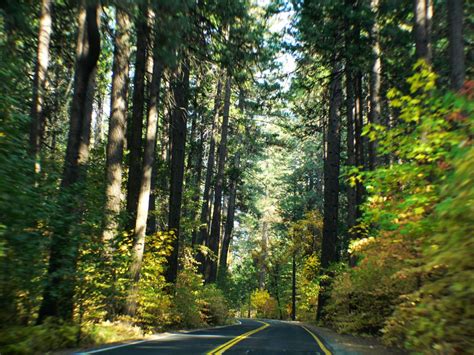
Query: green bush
[[439, 317], [195, 305], [308, 289], [185, 306], [414, 279], [213, 305], [108, 332], [264, 304], [38, 339], [53, 335], [363, 297]]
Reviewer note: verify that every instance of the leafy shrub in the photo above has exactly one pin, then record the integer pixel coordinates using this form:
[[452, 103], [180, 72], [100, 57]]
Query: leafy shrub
[[155, 302], [308, 289], [264, 304], [414, 280], [53, 335], [38, 339], [439, 317], [363, 297], [213, 305], [195, 305], [108, 332], [186, 310]]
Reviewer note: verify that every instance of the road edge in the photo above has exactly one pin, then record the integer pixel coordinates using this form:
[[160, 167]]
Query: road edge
[[157, 336], [345, 344]]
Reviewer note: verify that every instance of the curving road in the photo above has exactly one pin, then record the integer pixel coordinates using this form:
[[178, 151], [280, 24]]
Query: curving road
[[248, 337]]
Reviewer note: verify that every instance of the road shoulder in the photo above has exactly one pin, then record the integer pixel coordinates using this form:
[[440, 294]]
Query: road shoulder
[[342, 344], [145, 338]]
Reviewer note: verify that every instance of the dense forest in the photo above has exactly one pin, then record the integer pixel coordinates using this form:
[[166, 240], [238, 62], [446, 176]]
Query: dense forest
[[171, 164]]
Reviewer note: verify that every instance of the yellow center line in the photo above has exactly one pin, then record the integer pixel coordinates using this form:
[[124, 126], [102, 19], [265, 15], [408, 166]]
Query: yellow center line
[[320, 343], [226, 346]]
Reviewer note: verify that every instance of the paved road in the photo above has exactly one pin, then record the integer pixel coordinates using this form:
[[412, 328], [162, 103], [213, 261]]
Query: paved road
[[249, 337]]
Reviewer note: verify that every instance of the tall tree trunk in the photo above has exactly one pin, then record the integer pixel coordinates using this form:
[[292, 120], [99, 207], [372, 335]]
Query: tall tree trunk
[[135, 139], [214, 237], [151, 226], [277, 290], [192, 168], [39, 84], [229, 224], [261, 261], [197, 180], [117, 124], [456, 43], [331, 182], [144, 196], [203, 230], [178, 143], [375, 82], [116, 140], [331, 175], [351, 160], [98, 128], [59, 291], [350, 36], [293, 286], [233, 186], [423, 10], [359, 139]]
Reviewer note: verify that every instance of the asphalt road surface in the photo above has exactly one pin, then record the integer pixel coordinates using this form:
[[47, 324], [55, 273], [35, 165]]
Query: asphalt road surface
[[248, 337]]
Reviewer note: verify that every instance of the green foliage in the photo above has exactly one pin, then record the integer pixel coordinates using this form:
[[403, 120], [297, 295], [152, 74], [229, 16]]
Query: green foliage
[[108, 332], [38, 339], [24, 207], [308, 289], [154, 302], [439, 317], [54, 335], [265, 305], [213, 305], [364, 296], [413, 281], [193, 304], [186, 310]]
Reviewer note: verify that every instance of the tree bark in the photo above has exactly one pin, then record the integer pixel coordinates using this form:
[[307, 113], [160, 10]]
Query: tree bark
[[135, 139], [293, 286], [456, 43], [178, 143], [117, 124], [350, 36], [59, 291], [375, 82], [203, 230], [197, 180], [359, 140], [144, 196], [351, 161], [229, 224], [39, 83], [214, 238], [423, 10], [277, 290], [261, 260], [331, 175], [331, 184]]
